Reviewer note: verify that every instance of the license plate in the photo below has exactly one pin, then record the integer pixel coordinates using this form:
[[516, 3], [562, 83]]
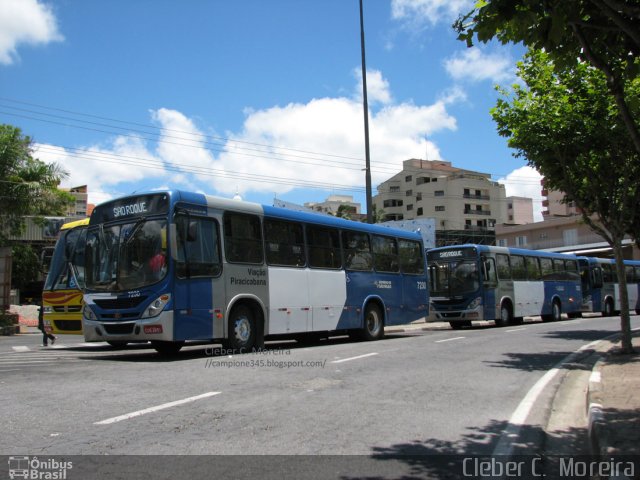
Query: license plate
[[153, 329]]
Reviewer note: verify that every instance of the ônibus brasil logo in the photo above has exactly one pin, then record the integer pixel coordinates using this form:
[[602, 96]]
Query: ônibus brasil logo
[[36, 469]]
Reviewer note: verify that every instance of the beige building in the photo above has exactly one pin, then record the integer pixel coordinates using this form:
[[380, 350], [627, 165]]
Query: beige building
[[519, 210], [333, 203], [554, 204], [462, 201]]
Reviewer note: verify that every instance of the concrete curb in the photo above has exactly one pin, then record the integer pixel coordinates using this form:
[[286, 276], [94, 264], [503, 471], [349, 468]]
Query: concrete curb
[[597, 430]]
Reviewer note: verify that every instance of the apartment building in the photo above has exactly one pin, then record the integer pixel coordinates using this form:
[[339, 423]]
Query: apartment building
[[465, 204], [333, 203], [519, 210]]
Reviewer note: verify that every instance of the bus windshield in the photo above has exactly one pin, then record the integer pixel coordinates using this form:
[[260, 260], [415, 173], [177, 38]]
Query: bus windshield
[[454, 278], [66, 269], [126, 256]]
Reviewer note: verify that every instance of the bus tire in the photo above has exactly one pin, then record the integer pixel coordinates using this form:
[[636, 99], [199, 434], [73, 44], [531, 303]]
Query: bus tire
[[373, 323], [506, 315], [167, 348], [243, 330], [608, 308], [556, 311], [117, 344]]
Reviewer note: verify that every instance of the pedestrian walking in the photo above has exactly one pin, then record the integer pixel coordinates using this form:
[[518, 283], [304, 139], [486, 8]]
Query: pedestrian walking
[[46, 336]]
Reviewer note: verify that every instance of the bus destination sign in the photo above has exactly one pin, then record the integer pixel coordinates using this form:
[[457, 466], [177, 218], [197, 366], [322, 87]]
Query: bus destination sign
[[142, 205]]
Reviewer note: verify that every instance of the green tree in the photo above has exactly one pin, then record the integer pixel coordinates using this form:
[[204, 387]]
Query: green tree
[[25, 266], [28, 186], [567, 126], [605, 33]]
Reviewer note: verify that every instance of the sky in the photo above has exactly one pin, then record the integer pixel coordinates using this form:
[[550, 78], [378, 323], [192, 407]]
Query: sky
[[252, 97]]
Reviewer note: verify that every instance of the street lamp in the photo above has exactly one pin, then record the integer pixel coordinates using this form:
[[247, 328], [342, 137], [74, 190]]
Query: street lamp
[[366, 122]]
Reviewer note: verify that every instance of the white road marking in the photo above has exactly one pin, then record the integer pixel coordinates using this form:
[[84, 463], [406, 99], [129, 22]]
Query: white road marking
[[449, 339], [21, 349], [355, 358], [515, 330], [155, 409]]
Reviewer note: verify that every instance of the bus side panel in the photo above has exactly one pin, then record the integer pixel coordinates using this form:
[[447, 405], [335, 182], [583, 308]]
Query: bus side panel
[[388, 286], [360, 285], [489, 304], [327, 297], [416, 298], [529, 298], [193, 309], [289, 308], [632, 290]]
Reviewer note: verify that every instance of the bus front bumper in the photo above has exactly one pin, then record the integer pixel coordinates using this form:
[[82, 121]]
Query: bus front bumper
[[141, 330], [476, 314]]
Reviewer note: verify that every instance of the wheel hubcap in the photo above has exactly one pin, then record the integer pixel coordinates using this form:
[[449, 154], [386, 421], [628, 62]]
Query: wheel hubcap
[[242, 329]]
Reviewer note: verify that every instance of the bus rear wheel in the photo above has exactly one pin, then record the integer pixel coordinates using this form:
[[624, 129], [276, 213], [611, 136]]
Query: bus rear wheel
[[373, 323]]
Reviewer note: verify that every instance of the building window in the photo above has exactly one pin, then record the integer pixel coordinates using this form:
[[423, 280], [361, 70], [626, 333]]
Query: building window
[[421, 180], [420, 211], [418, 196], [521, 241], [408, 178], [438, 193], [501, 242], [570, 237], [409, 193], [439, 208], [409, 207]]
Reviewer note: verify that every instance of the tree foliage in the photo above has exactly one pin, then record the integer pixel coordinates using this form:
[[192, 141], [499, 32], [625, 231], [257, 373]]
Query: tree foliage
[[565, 123], [605, 33], [28, 186]]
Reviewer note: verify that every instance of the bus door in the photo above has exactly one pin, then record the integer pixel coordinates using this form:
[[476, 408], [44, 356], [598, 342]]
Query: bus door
[[488, 288], [199, 291]]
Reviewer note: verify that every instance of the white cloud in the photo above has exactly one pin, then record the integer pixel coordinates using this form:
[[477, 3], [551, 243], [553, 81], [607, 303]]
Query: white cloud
[[104, 170], [25, 22], [475, 65], [419, 12], [525, 182], [278, 149], [377, 87]]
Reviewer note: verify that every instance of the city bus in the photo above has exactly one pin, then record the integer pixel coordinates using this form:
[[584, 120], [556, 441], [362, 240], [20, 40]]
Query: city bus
[[480, 282], [600, 287], [62, 293], [174, 266]]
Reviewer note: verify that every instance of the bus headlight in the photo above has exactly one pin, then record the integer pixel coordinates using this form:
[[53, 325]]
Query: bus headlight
[[475, 303], [47, 309], [156, 306], [88, 314]]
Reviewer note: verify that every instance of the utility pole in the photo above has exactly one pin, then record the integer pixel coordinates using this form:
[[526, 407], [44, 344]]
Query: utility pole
[[366, 123]]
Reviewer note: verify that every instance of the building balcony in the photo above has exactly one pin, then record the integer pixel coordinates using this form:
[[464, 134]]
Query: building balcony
[[468, 211], [476, 197]]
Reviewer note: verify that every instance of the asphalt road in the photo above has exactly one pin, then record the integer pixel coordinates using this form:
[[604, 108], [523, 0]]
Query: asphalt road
[[438, 392]]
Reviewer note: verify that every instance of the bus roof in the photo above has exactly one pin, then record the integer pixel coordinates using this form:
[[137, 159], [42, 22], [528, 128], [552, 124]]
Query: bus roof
[[75, 224], [209, 201], [512, 251]]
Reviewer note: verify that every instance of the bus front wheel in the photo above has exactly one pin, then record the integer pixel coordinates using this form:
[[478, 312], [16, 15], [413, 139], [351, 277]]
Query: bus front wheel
[[242, 333], [506, 315]]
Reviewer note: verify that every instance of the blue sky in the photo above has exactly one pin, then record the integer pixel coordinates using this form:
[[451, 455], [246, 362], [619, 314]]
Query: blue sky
[[259, 97]]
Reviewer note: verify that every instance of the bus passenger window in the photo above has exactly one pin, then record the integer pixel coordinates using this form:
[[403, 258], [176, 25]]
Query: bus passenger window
[[411, 257], [504, 270], [284, 243], [242, 238], [323, 245], [357, 250], [385, 254]]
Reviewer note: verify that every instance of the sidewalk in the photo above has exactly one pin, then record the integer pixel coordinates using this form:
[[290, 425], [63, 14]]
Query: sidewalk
[[613, 402]]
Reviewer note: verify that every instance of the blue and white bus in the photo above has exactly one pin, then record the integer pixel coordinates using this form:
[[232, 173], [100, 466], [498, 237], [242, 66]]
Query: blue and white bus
[[174, 266], [600, 286], [480, 282]]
